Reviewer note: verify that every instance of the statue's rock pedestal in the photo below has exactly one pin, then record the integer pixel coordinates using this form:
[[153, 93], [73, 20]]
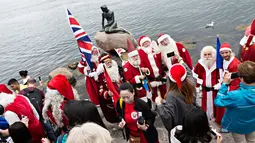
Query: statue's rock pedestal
[[109, 42]]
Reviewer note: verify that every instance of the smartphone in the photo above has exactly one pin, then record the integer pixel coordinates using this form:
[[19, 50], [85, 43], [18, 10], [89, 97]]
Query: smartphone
[[234, 75], [168, 55], [39, 78], [214, 132]]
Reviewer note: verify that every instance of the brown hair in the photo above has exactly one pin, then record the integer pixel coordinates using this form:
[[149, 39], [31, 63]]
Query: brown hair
[[247, 71], [188, 89]]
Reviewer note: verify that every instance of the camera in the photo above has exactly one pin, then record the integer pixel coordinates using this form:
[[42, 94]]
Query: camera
[[168, 55], [140, 119], [234, 75], [214, 132]]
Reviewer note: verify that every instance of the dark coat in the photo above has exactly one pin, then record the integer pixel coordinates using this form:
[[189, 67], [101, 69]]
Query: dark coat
[[151, 133]]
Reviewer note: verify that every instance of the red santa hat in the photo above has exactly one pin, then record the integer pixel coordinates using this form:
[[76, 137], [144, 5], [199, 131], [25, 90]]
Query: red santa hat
[[143, 39], [61, 84], [131, 49], [4, 89], [225, 46], [119, 51], [104, 56], [177, 74], [162, 36]]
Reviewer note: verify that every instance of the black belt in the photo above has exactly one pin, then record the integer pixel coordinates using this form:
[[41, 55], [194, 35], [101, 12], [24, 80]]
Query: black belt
[[207, 88]]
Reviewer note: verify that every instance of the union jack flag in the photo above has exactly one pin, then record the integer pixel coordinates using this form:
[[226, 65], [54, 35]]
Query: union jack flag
[[83, 40]]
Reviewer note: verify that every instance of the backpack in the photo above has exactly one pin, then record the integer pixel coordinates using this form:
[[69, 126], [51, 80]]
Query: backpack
[[35, 98]]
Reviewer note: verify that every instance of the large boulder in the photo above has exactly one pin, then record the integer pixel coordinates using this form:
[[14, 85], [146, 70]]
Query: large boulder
[[64, 71], [109, 42]]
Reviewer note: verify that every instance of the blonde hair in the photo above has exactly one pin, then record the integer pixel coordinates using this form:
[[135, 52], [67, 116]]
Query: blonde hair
[[89, 133]]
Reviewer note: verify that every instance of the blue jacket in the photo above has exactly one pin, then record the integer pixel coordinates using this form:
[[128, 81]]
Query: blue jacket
[[240, 108]]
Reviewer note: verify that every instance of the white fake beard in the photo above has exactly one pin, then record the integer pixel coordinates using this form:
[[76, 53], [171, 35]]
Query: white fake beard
[[94, 58], [168, 49], [147, 50], [208, 62], [54, 100], [135, 63], [113, 72]]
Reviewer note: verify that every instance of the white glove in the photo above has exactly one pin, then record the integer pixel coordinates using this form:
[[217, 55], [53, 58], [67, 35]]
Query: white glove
[[158, 100], [155, 83], [198, 89], [217, 86], [93, 74]]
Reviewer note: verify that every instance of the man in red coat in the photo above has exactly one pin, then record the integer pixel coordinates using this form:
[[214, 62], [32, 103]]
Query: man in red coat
[[105, 95], [134, 74], [207, 77], [92, 87], [59, 91], [247, 49], [167, 45], [230, 64], [153, 62], [17, 106]]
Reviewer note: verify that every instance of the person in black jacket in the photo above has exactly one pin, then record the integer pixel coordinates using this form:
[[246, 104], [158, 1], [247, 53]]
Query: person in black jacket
[[135, 116], [179, 99]]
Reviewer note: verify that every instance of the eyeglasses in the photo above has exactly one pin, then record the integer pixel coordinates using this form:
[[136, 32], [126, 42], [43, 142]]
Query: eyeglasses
[[125, 97]]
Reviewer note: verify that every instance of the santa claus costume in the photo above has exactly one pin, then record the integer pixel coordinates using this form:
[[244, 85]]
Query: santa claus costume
[[17, 106], [82, 64], [248, 44], [157, 76], [175, 47], [92, 87], [207, 76], [105, 97], [133, 73], [231, 66], [59, 91]]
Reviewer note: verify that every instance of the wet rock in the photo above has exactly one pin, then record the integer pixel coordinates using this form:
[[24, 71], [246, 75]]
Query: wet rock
[[109, 42]]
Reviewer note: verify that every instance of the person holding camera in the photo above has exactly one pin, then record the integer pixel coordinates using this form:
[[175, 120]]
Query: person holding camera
[[195, 128], [239, 117], [136, 117]]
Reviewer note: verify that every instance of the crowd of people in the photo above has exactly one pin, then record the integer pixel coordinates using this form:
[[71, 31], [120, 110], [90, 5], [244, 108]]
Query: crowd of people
[[155, 78]]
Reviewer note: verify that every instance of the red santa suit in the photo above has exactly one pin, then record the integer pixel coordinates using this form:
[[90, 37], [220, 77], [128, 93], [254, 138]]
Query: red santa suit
[[105, 100], [207, 78], [231, 66], [131, 74], [175, 47], [81, 66], [59, 91], [157, 77], [248, 44], [17, 106]]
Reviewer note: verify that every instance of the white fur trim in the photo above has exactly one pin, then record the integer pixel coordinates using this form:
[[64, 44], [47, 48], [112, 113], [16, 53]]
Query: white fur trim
[[153, 65], [161, 38], [6, 99], [133, 53], [225, 48], [227, 63], [199, 81], [137, 79], [144, 40]]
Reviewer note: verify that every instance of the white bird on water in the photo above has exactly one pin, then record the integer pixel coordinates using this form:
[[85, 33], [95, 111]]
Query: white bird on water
[[210, 25]]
